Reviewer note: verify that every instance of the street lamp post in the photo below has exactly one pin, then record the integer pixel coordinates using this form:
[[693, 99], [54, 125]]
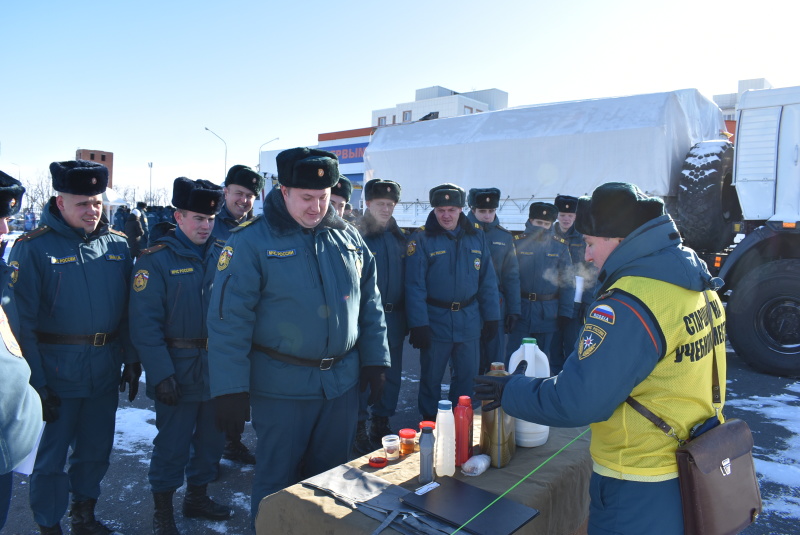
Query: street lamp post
[[259, 151], [150, 165], [225, 169]]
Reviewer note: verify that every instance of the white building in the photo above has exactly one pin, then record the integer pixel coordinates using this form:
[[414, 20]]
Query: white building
[[439, 102]]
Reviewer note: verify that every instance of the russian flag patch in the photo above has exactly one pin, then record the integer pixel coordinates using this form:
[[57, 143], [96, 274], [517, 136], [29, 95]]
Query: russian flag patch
[[603, 313]]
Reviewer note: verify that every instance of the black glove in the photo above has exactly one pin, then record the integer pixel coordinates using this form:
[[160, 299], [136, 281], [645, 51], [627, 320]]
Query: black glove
[[489, 330], [375, 377], [50, 403], [168, 391], [130, 376], [511, 322], [232, 411], [490, 387], [563, 322], [420, 337]]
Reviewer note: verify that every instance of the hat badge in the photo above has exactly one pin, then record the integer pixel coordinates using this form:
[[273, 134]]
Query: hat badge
[[487, 199], [544, 212], [446, 197], [94, 180], [213, 203], [254, 180], [13, 203], [320, 173], [388, 188]]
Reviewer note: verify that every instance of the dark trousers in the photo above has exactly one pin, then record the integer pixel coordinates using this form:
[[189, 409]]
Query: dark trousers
[[387, 405], [189, 442], [464, 360], [299, 438], [86, 425], [629, 507], [5, 496], [492, 350]]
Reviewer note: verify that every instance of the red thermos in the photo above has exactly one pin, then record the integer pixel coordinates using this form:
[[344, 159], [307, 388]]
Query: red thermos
[[463, 418]]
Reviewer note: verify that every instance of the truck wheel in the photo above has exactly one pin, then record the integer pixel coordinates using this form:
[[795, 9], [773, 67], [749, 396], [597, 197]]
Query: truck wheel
[[763, 318], [707, 202]]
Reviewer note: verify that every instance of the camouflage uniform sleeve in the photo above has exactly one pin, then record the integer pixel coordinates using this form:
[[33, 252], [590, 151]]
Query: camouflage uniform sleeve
[[617, 350]]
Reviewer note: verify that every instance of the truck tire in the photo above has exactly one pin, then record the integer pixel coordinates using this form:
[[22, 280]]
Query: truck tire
[[763, 318], [707, 203]]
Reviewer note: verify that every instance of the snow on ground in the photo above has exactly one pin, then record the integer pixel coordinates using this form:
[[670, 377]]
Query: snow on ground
[[135, 431], [781, 467]]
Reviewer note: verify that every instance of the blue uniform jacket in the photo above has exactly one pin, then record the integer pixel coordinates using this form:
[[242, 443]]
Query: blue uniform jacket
[[588, 390], [170, 295], [545, 268], [68, 282], [225, 222], [504, 259], [580, 267], [450, 267], [388, 247], [308, 293]]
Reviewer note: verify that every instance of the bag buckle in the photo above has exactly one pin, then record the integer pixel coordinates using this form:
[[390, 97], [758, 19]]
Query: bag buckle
[[326, 363], [725, 467], [99, 340], [455, 307]]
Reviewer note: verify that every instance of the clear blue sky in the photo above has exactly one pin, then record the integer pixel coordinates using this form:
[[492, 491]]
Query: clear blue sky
[[142, 79]]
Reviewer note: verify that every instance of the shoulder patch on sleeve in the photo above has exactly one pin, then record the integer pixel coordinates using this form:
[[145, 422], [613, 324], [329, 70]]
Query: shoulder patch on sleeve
[[153, 249], [603, 313], [411, 248], [590, 339], [34, 233]]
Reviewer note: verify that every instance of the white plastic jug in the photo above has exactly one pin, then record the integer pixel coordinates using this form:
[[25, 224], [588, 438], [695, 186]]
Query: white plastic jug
[[529, 434]]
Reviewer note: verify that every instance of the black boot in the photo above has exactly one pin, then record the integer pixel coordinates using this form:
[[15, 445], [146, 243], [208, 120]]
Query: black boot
[[362, 444], [197, 504], [83, 520], [163, 517], [379, 428], [51, 530], [237, 452]]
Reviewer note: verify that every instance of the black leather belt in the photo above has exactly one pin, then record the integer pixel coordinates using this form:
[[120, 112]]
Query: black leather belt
[[187, 343], [97, 340], [322, 364], [453, 306], [539, 297], [392, 307]]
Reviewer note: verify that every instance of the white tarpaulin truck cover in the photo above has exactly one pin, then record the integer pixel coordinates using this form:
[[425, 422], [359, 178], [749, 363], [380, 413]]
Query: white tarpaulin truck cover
[[533, 153]]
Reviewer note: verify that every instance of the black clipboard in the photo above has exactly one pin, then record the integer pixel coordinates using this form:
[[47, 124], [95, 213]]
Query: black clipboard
[[455, 502]]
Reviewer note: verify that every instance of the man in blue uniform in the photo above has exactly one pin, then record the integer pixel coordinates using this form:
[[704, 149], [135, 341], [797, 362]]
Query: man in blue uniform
[[451, 297], [585, 275], [70, 288], [387, 242], [242, 186], [169, 302], [546, 281], [20, 406], [640, 340], [483, 205], [296, 323], [340, 195]]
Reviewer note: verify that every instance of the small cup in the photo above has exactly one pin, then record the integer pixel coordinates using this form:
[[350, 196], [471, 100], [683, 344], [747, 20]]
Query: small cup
[[391, 447], [407, 439]]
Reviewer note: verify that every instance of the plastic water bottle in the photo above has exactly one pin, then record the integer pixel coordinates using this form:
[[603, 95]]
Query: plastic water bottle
[[530, 434], [462, 414], [426, 447], [445, 447]]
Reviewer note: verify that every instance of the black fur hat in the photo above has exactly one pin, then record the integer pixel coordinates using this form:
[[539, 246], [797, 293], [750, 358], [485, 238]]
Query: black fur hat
[[616, 209], [566, 204], [141, 205], [343, 188], [306, 168], [241, 175], [543, 210], [11, 191], [199, 196], [79, 177], [447, 195], [484, 198], [382, 189]]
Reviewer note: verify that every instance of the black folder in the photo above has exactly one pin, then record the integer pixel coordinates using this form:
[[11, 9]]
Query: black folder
[[455, 502]]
